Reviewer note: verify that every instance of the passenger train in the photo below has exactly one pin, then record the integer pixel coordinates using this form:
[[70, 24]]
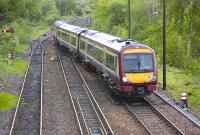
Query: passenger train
[[127, 67]]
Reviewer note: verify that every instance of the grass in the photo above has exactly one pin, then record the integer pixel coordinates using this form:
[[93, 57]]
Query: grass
[[17, 66], [178, 81], [21, 48], [38, 31], [7, 101]]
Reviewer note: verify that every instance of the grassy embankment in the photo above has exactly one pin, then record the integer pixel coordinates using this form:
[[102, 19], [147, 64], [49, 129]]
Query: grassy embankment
[[178, 81], [25, 32]]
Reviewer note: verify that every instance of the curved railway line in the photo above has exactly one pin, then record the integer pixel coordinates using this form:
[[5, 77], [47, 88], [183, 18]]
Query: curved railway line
[[165, 119], [89, 116], [155, 115], [27, 116]]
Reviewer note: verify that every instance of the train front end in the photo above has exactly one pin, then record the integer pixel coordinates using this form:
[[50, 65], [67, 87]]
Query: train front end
[[138, 71]]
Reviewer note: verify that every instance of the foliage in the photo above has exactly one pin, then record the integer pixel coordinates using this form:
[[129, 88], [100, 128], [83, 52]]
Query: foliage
[[7, 101], [5, 44], [66, 7], [183, 35], [179, 82], [37, 10], [108, 17], [183, 25]]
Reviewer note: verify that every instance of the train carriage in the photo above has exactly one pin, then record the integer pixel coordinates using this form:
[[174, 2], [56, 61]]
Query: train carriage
[[127, 67]]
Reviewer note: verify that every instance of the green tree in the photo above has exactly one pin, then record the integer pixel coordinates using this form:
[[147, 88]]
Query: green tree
[[65, 7], [108, 17]]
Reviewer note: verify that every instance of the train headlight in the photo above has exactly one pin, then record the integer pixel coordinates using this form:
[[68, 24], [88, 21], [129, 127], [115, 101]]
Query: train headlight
[[153, 78], [125, 79]]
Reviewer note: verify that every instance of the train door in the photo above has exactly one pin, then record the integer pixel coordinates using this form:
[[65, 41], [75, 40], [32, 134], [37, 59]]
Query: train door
[[86, 48], [104, 60]]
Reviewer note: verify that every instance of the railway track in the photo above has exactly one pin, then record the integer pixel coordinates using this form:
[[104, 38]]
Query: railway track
[[81, 21], [118, 117], [28, 113], [151, 118], [89, 116], [187, 123], [58, 115], [148, 107]]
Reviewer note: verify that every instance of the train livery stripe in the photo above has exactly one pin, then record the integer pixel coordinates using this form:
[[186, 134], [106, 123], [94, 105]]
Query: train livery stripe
[[137, 51], [139, 77]]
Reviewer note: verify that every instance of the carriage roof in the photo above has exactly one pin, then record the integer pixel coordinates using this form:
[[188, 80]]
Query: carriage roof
[[109, 41]]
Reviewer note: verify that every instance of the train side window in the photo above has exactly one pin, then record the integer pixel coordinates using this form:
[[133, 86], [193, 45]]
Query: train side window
[[91, 50], [82, 45], [95, 52], [111, 61], [59, 33], [98, 54], [66, 37], [73, 41]]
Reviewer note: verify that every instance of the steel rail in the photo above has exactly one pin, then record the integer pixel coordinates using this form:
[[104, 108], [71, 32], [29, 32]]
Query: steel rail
[[188, 115], [21, 91], [131, 110], [90, 102], [23, 84], [41, 86], [97, 108], [165, 118], [70, 94], [135, 116], [87, 129]]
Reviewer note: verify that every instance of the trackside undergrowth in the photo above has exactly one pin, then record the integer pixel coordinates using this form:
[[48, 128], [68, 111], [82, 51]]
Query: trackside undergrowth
[[178, 81], [7, 101]]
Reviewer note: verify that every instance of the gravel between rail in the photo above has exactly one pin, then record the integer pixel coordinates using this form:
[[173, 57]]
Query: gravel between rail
[[58, 115], [120, 120]]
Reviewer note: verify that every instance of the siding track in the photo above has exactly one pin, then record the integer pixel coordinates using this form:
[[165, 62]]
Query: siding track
[[27, 117], [88, 113]]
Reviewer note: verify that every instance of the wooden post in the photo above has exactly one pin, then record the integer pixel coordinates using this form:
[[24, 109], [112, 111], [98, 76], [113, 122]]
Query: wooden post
[[164, 45], [129, 19]]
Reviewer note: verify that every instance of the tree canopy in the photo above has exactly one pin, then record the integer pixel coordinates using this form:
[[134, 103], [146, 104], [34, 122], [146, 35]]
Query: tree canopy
[[183, 27]]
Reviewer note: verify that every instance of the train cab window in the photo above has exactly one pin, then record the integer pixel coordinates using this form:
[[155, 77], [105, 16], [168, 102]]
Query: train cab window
[[111, 61], [82, 45], [73, 41], [134, 63]]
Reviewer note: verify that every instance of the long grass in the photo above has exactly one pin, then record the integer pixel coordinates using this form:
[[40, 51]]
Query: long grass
[[178, 81], [7, 101]]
